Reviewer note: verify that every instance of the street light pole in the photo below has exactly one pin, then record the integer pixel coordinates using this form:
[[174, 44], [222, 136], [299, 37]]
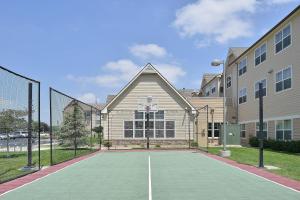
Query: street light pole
[[216, 63]]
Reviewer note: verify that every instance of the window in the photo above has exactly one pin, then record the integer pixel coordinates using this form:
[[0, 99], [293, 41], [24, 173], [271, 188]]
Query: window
[[284, 79], [128, 129], [221, 89], [213, 90], [242, 66], [260, 54], [264, 88], [139, 129], [216, 133], [265, 130], [160, 114], [243, 96], [158, 127], [284, 129], [228, 81], [283, 39], [243, 130], [170, 129]]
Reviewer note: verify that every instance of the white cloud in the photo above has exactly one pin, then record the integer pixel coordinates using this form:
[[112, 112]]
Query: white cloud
[[171, 72], [88, 98], [219, 20], [122, 71], [145, 51]]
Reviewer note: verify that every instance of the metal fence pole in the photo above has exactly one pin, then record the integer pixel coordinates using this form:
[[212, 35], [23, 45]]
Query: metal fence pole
[[100, 134], [108, 144], [29, 139], [91, 139], [39, 123], [51, 137]]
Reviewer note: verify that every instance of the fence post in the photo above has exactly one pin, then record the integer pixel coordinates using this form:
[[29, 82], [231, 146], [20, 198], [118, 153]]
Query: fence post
[[51, 139], [91, 139], [39, 123], [101, 133], [29, 139]]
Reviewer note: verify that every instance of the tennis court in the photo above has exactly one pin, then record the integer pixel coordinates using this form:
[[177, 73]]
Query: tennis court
[[164, 175]]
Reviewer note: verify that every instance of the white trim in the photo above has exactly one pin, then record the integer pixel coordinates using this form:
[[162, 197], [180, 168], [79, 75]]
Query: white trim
[[291, 33], [259, 47], [155, 71], [272, 119], [282, 69], [149, 178]]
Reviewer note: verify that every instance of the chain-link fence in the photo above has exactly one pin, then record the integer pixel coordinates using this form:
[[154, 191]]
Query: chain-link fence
[[75, 127], [19, 125], [130, 129]]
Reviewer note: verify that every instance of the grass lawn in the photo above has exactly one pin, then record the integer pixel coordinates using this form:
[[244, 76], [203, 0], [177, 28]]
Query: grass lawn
[[9, 167], [289, 164]]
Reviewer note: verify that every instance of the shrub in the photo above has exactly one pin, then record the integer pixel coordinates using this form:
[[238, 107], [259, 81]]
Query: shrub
[[253, 141], [194, 144], [287, 146], [107, 144], [157, 146]]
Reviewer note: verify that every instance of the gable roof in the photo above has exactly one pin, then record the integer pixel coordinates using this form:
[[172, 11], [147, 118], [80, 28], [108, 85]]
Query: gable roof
[[265, 35], [208, 79], [149, 69]]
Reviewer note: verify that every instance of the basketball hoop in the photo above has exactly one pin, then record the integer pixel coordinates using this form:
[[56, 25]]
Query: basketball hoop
[[147, 104]]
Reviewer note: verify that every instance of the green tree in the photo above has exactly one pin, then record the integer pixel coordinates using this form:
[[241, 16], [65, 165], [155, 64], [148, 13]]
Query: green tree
[[73, 128]]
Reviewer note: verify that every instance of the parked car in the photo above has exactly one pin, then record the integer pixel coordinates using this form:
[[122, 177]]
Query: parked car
[[14, 135], [24, 134], [3, 136]]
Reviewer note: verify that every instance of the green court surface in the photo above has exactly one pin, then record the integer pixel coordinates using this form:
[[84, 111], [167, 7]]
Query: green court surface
[[169, 175]]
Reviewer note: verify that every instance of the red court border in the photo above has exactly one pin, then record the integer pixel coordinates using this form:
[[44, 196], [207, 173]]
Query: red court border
[[6, 187], [260, 172]]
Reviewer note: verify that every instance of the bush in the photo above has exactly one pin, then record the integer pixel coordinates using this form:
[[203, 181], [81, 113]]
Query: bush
[[194, 144], [287, 146], [107, 144], [253, 141], [157, 146]]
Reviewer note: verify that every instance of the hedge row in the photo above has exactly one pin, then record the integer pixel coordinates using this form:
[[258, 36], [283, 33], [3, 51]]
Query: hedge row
[[288, 146]]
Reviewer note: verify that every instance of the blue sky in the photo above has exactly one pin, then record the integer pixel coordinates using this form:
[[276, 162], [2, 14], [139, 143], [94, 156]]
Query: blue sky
[[89, 49]]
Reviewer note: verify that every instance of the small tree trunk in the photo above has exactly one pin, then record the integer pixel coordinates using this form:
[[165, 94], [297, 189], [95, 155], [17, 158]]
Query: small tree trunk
[[7, 144], [75, 146]]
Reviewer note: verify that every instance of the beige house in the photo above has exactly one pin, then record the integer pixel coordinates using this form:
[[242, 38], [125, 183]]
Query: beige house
[[171, 120], [274, 61]]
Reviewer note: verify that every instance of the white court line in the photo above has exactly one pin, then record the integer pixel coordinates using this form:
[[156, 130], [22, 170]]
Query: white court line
[[38, 179], [224, 163], [149, 178]]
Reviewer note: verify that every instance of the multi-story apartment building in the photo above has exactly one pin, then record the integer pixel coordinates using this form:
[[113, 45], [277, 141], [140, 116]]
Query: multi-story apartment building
[[274, 60]]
